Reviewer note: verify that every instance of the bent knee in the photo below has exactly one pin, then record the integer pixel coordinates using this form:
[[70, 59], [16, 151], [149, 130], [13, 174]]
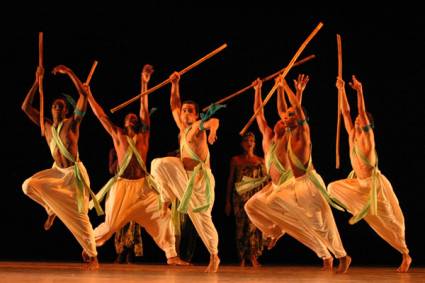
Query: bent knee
[[26, 186]]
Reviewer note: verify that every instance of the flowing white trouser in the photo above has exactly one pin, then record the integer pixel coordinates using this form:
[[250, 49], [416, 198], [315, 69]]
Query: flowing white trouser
[[55, 190], [389, 223], [172, 178], [133, 200]]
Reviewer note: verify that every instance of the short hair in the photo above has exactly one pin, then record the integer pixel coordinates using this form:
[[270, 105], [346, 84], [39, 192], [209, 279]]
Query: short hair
[[192, 103], [247, 135]]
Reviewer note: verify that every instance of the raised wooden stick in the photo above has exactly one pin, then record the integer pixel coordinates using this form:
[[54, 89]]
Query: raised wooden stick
[[93, 67], [338, 124], [40, 83], [285, 72], [185, 70], [264, 80]]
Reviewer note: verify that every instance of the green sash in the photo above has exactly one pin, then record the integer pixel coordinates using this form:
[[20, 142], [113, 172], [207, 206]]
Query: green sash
[[81, 183], [372, 201], [248, 184], [131, 150], [331, 200], [271, 158], [201, 168]]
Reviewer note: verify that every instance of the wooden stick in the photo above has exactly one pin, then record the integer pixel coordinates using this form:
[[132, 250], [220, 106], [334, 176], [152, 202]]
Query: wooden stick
[[185, 70], [93, 67], [264, 80], [285, 72], [40, 83], [338, 124]]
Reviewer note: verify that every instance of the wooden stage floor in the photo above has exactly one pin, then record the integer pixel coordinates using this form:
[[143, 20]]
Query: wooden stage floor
[[45, 272]]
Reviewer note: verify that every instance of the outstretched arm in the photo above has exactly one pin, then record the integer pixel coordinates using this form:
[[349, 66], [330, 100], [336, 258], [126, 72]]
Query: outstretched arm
[[100, 114], [81, 106], [345, 107], [144, 105], [175, 101], [26, 106]]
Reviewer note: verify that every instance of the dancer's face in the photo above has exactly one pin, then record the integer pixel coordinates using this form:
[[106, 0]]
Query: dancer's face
[[289, 117], [188, 114], [131, 120], [248, 143], [59, 109]]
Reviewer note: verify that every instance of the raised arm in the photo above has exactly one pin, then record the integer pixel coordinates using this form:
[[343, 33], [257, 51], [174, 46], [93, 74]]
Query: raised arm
[[27, 107], [281, 101], [345, 107], [81, 106], [300, 84], [258, 101], [100, 114], [144, 105], [175, 101], [361, 107]]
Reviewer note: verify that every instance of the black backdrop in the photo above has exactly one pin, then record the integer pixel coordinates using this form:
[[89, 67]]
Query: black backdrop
[[382, 46]]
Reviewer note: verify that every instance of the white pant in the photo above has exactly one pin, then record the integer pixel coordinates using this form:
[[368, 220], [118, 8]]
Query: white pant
[[389, 223], [274, 212], [172, 178], [132, 200], [55, 189]]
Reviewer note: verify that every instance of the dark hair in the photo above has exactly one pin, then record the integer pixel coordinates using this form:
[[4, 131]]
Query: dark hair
[[192, 103], [247, 135]]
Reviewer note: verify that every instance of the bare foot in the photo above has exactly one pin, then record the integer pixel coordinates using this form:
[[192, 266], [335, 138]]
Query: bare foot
[[344, 264], [49, 221], [327, 264], [255, 262], [242, 264], [405, 264], [214, 263], [92, 264], [272, 243], [85, 256], [177, 261]]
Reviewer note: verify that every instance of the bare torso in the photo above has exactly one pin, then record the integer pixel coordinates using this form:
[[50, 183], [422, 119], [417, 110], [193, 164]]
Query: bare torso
[[133, 170], [281, 155], [363, 143], [69, 135], [197, 141], [301, 147]]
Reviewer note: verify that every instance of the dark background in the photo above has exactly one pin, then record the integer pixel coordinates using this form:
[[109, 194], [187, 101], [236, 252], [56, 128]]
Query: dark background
[[382, 46]]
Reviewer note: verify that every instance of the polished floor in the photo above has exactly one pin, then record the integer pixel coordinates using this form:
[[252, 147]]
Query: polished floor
[[43, 272]]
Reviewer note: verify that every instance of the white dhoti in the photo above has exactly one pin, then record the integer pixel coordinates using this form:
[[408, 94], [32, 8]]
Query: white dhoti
[[133, 200], [274, 212], [389, 221], [315, 211], [172, 178], [55, 189]]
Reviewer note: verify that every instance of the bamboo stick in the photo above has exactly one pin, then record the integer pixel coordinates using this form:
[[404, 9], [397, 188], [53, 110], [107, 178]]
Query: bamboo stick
[[93, 67], [285, 72], [263, 80], [185, 70], [40, 83], [338, 124]]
